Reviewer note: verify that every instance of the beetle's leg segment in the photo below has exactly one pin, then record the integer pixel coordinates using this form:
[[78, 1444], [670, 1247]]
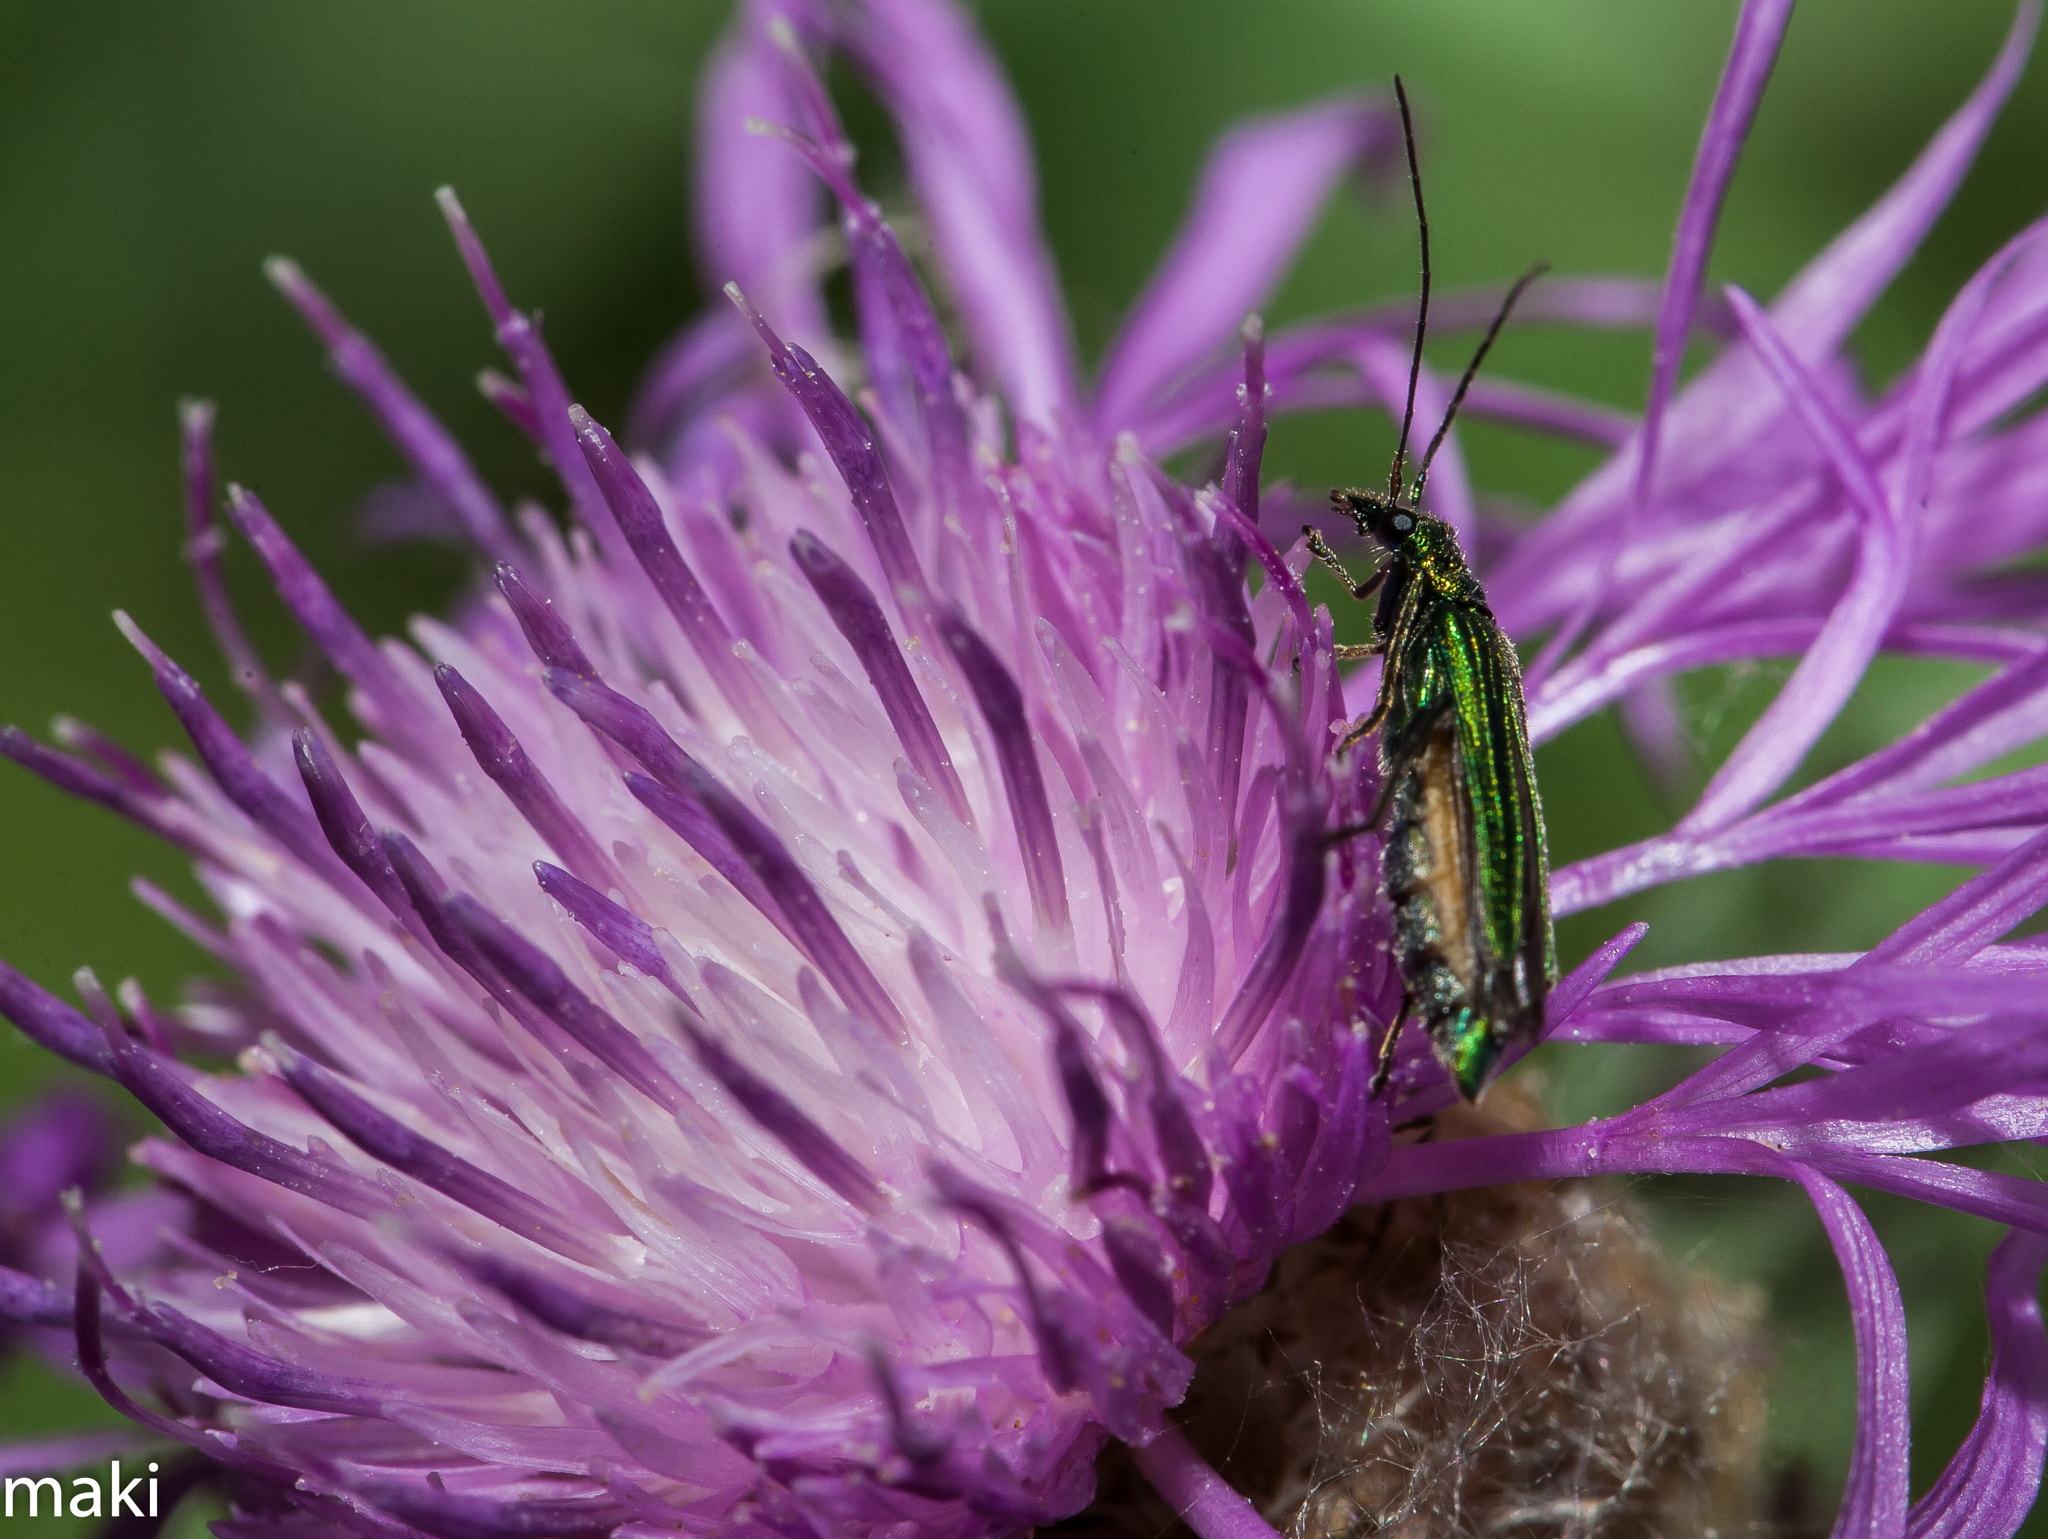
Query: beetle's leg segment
[[1380, 707], [1320, 549], [1384, 1070], [1362, 730]]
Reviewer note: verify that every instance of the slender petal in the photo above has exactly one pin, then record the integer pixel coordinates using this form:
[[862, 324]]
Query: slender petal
[[1259, 197]]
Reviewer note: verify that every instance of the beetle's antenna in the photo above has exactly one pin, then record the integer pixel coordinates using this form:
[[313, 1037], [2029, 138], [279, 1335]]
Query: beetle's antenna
[[1422, 311], [1472, 368]]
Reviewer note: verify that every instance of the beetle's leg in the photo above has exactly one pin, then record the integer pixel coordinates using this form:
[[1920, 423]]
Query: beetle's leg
[[1319, 548], [1384, 1070], [1363, 729], [1380, 707], [1352, 651]]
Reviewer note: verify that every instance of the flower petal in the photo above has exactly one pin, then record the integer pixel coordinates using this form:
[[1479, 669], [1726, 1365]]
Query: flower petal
[[1990, 1486], [1758, 32], [1831, 668], [970, 161], [1263, 187], [756, 210]]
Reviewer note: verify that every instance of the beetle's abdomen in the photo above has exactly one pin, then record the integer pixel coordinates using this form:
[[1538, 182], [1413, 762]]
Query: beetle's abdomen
[[1430, 887]]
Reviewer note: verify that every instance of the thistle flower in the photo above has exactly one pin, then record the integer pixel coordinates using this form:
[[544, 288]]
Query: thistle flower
[[814, 988]]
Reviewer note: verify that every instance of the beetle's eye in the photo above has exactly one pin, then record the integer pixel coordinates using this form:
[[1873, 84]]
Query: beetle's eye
[[1403, 523]]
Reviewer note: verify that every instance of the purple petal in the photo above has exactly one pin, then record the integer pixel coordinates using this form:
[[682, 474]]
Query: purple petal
[[74, 778], [500, 757], [1286, 934], [519, 336], [512, 401], [343, 821], [1927, 406], [1351, 1139], [970, 161], [1576, 986], [393, 706], [572, 1309], [1990, 1486], [1724, 407], [1062, 1351], [1758, 31], [385, 1138], [1975, 914], [213, 1132], [852, 447], [42, 1455], [1832, 667], [700, 831], [1089, 1112], [453, 1515], [1002, 707], [2001, 713], [537, 975], [243, 1371], [866, 629], [1144, 1265], [810, 921], [755, 211], [626, 936], [108, 755], [697, 373], [50, 1023], [772, 880], [2020, 1201], [1260, 194], [901, 335], [1819, 308], [1874, 1501], [26, 1300], [639, 520], [1310, 364], [234, 768], [204, 544], [1182, 1152], [818, 1152], [668, 795], [429, 448], [545, 631], [1219, 579], [60, 1141]]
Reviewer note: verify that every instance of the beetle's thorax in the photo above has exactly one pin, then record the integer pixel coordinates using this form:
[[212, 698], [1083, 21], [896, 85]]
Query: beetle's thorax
[[1421, 544], [1432, 555]]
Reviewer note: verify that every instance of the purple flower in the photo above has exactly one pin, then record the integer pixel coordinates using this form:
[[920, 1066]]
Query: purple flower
[[812, 991]]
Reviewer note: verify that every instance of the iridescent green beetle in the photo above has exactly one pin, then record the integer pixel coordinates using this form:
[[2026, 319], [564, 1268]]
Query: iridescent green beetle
[[1464, 859]]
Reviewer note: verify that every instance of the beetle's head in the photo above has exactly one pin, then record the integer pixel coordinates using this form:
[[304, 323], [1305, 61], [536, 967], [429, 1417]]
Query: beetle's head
[[1383, 518]]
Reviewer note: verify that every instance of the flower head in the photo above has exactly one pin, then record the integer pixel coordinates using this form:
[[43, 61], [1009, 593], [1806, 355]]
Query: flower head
[[819, 983]]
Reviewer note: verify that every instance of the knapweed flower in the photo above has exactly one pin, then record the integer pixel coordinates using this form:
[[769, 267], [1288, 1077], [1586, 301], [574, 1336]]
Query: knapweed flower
[[790, 1011]]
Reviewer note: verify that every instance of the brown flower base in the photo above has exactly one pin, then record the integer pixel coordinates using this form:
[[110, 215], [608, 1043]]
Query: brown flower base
[[1517, 1361]]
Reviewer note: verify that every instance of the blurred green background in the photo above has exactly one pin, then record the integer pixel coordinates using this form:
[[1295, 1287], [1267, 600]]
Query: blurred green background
[[152, 154]]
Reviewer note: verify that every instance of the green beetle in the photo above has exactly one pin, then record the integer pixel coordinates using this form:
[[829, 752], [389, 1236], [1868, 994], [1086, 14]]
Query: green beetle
[[1465, 862]]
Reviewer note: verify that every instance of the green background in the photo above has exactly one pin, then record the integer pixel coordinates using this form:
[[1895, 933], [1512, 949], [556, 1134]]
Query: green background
[[151, 154]]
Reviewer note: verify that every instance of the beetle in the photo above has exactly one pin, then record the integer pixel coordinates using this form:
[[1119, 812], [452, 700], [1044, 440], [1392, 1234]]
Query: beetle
[[1464, 857]]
